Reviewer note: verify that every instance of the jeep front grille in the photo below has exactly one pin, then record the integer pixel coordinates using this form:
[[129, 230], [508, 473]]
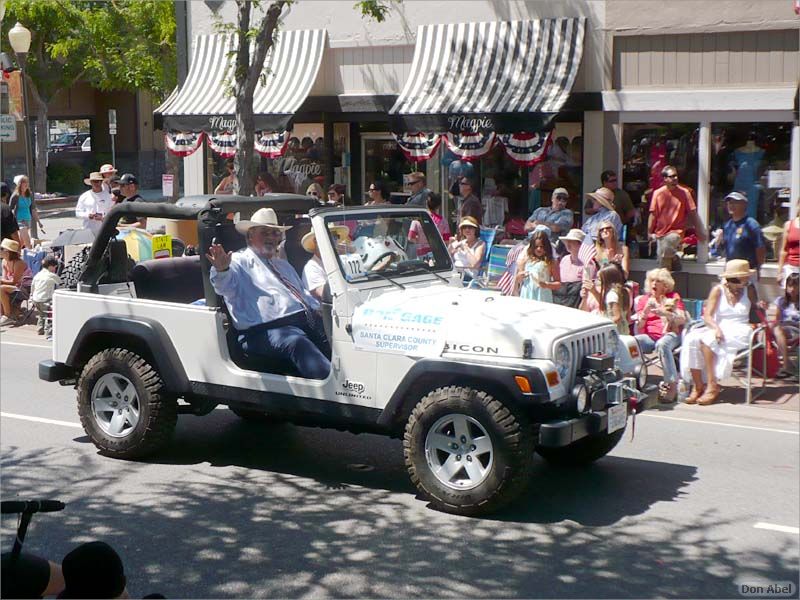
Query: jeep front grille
[[580, 346]]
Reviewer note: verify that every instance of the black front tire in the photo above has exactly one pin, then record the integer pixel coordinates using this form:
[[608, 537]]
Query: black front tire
[[158, 410], [512, 441], [583, 452]]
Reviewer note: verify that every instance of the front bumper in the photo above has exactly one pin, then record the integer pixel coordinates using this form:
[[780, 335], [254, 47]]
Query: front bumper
[[50, 370], [611, 394]]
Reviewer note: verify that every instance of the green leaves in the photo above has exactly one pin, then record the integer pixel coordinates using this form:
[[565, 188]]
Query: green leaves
[[119, 45]]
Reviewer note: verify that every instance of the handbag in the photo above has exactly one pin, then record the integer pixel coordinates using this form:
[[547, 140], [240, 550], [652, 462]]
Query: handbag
[[773, 360]]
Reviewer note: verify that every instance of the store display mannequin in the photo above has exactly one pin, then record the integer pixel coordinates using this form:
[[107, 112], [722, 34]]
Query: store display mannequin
[[748, 159]]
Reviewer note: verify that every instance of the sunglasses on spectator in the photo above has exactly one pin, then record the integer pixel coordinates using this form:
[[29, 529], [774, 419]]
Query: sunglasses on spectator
[[734, 280], [602, 229], [670, 175], [561, 197], [612, 180], [373, 189]]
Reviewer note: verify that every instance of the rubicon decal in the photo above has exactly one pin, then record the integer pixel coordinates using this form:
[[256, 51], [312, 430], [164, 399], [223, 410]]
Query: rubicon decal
[[470, 349]]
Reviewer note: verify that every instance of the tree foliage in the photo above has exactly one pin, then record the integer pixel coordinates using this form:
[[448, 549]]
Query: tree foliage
[[111, 45]]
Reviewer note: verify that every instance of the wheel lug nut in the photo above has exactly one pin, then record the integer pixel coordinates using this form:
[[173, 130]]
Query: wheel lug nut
[[469, 458], [463, 439], [454, 446], [458, 457], [472, 448]]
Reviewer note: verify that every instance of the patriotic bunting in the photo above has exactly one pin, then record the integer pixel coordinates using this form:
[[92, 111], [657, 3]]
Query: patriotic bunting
[[526, 148], [271, 144], [223, 143], [183, 143], [470, 146], [418, 146]]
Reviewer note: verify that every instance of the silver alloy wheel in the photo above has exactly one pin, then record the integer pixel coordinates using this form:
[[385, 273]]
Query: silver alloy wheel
[[459, 452], [115, 405]]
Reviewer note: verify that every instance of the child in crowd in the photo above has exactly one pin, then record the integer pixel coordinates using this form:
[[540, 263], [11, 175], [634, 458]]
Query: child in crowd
[[613, 297], [537, 271], [42, 288], [787, 312]]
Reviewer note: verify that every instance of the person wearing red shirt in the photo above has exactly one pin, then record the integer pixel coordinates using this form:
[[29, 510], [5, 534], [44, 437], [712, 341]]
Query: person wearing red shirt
[[789, 257], [671, 208]]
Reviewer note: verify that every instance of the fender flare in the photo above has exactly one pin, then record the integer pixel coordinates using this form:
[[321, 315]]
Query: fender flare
[[150, 332], [445, 372]]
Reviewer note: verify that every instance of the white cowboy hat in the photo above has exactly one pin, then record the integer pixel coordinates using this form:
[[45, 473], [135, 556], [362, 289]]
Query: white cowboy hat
[[263, 217], [96, 176], [738, 268], [575, 235], [309, 241], [107, 168]]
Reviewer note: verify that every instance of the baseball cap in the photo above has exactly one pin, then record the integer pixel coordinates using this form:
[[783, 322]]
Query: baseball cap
[[561, 192], [736, 197], [128, 178]]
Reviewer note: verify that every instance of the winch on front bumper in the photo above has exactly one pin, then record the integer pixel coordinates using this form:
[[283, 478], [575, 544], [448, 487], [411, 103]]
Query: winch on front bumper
[[602, 397]]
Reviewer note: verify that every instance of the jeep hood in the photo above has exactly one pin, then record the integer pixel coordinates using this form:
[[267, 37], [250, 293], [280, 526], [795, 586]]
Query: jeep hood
[[487, 324]]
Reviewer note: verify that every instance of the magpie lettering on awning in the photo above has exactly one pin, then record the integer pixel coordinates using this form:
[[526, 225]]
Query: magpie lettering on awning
[[499, 76], [203, 104]]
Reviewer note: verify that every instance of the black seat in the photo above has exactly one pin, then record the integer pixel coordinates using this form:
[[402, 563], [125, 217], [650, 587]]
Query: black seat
[[169, 279]]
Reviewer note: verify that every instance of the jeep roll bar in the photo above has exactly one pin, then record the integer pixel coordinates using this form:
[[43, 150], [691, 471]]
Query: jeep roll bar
[[189, 208]]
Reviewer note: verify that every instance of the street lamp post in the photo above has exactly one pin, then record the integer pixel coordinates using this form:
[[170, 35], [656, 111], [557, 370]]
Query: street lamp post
[[20, 39]]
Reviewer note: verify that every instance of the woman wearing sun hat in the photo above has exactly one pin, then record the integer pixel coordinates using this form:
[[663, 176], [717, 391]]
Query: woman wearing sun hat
[[707, 353], [16, 275], [467, 249]]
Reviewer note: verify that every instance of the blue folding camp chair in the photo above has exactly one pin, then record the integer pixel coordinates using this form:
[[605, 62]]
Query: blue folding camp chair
[[487, 234]]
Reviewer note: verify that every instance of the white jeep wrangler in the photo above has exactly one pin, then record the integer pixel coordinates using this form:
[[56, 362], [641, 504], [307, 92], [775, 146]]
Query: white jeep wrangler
[[474, 382]]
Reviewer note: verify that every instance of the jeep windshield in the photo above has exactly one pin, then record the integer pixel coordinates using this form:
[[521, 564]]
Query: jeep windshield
[[381, 244]]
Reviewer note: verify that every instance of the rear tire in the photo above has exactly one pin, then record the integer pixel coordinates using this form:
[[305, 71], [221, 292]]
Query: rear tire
[[582, 452], [123, 406], [467, 452]]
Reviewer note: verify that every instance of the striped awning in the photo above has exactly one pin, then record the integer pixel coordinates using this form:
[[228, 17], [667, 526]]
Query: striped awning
[[203, 104], [501, 76]]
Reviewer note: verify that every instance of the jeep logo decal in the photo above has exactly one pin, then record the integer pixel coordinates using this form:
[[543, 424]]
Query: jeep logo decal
[[354, 386]]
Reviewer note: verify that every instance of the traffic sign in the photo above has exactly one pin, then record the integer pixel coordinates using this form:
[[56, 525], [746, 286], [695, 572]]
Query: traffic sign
[[8, 128]]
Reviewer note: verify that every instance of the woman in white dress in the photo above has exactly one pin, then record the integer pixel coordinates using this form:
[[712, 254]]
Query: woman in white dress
[[707, 353], [467, 249]]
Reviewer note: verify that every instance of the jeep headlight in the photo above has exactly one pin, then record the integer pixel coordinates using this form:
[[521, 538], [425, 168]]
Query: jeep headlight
[[562, 361], [613, 343]]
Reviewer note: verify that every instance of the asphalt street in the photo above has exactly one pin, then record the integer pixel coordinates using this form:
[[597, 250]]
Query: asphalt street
[[703, 499]]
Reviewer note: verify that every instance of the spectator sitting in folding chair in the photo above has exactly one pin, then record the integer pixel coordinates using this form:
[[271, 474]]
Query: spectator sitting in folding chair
[[42, 288], [467, 249], [786, 321], [15, 283], [659, 318]]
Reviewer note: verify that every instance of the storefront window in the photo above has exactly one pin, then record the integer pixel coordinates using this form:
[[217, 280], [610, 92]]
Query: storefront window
[[384, 161], [754, 159], [563, 167], [646, 149]]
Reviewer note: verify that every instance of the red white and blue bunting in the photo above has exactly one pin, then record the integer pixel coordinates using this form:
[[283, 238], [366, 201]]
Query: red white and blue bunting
[[470, 146], [223, 143], [183, 143], [418, 146], [526, 148], [271, 144]]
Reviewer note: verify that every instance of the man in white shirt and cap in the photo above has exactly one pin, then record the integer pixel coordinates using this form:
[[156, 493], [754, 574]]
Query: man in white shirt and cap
[[275, 315], [93, 204]]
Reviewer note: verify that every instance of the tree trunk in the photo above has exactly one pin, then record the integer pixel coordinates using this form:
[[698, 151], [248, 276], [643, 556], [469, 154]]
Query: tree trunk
[[40, 150], [245, 140]]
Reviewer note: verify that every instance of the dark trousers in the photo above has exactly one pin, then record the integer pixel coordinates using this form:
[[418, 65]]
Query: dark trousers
[[299, 339]]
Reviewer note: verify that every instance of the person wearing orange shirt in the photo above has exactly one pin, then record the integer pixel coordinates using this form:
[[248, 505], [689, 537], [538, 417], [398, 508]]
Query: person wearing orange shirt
[[671, 209]]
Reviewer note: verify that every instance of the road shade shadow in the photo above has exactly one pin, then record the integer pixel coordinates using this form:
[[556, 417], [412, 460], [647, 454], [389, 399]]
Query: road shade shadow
[[598, 494], [83, 439]]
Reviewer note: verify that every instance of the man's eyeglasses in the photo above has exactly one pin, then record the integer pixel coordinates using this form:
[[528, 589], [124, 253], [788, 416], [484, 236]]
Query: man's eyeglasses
[[415, 182], [612, 180], [560, 197], [373, 189], [670, 175]]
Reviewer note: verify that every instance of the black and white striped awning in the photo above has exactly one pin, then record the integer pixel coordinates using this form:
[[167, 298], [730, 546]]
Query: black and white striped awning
[[203, 104], [501, 76]]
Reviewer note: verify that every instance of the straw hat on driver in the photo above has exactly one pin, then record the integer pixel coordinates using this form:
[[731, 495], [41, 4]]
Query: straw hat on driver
[[95, 176], [309, 241], [263, 217], [10, 245], [574, 235], [738, 268], [603, 196]]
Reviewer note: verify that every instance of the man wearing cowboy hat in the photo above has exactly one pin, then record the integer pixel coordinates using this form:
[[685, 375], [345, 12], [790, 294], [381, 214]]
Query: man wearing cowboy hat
[[600, 207], [93, 204], [314, 277], [275, 315]]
